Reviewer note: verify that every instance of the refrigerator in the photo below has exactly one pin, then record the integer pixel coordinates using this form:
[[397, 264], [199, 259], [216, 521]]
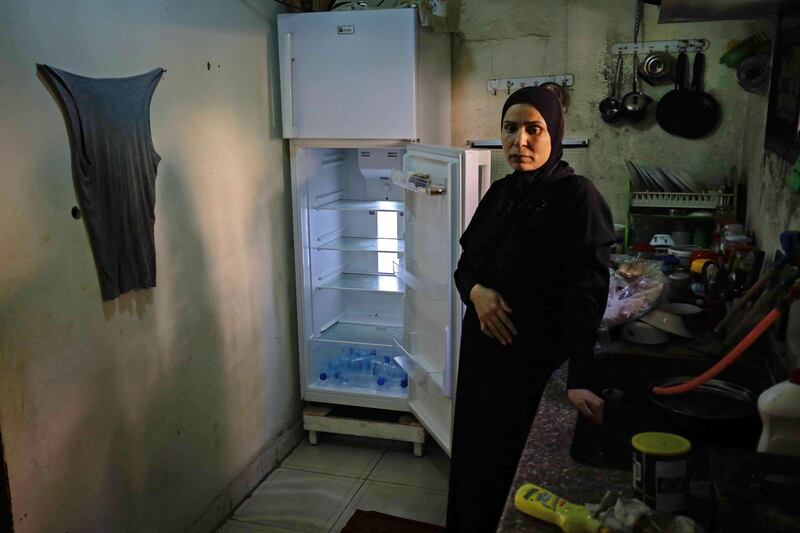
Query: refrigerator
[[379, 202]]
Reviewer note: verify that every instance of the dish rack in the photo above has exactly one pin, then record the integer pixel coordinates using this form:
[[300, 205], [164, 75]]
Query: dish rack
[[691, 200]]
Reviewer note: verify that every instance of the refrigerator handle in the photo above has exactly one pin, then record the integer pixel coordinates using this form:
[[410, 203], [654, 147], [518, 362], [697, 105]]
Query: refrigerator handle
[[287, 75]]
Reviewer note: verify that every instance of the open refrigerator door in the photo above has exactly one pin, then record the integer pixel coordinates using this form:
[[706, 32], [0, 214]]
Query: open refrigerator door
[[443, 187]]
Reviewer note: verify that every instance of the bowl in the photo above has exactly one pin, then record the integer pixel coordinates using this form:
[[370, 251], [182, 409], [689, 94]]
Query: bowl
[[692, 315], [641, 333], [669, 322]]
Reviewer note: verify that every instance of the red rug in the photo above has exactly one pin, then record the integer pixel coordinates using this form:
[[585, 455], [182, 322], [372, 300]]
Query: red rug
[[374, 522]]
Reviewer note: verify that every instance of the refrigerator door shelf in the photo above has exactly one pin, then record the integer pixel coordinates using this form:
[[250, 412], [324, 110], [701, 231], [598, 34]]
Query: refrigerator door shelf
[[422, 374], [346, 333], [361, 244], [418, 182], [436, 292], [364, 282], [362, 205]]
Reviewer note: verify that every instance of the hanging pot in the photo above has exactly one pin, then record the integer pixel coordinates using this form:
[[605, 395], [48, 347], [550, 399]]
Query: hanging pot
[[611, 107]]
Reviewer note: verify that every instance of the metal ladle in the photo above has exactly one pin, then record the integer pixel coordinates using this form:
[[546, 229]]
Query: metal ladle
[[636, 102], [611, 107]]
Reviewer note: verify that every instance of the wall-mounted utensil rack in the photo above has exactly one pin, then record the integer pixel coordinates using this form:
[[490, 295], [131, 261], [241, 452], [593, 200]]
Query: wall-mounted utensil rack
[[674, 47], [509, 85]]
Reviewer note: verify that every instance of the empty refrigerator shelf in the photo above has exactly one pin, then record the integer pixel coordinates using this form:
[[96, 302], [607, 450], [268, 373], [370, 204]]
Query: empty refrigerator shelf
[[362, 244], [365, 282], [360, 334], [362, 205], [372, 319]]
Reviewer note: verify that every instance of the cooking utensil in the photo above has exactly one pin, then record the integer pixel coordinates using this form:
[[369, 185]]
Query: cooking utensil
[[657, 68], [636, 101], [611, 107], [673, 111], [753, 73], [705, 109], [714, 400]]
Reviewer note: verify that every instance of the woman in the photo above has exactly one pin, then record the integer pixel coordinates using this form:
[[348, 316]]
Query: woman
[[534, 277]]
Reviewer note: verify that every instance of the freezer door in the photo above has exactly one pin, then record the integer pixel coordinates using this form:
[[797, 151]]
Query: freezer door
[[349, 74], [432, 312]]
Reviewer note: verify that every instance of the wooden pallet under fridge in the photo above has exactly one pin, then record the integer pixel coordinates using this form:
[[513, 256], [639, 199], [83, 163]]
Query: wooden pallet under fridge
[[362, 422]]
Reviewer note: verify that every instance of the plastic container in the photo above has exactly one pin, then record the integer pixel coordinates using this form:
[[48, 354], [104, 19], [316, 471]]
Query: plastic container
[[779, 407], [660, 470]]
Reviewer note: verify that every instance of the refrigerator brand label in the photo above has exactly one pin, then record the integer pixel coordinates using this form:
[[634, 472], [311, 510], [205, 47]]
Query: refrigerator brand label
[[345, 30]]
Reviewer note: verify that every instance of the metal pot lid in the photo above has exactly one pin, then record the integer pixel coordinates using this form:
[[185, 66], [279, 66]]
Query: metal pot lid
[[714, 400]]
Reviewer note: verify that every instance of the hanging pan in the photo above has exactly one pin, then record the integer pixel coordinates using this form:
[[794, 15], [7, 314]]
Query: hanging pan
[[706, 109], [674, 110]]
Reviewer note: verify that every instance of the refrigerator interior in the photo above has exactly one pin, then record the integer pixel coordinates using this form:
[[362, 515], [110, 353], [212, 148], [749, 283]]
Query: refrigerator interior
[[352, 236]]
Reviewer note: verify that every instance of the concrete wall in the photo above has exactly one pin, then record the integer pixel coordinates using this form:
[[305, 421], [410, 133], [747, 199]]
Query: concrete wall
[[516, 38], [139, 414]]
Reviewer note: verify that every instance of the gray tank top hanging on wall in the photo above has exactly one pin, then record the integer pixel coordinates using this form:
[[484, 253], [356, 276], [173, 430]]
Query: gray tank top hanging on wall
[[114, 168]]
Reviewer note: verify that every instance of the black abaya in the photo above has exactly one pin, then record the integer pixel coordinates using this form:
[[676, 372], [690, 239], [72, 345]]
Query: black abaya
[[543, 243]]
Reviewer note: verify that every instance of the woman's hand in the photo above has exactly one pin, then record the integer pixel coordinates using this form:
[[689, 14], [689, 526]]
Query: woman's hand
[[587, 403], [493, 313]]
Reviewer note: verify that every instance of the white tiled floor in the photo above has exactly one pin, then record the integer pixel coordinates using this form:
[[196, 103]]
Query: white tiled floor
[[318, 488]]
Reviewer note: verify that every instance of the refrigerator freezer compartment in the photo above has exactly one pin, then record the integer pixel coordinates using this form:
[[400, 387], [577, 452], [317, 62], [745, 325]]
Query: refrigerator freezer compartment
[[371, 335], [362, 205], [364, 282], [362, 244], [433, 291], [432, 380], [356, 367]]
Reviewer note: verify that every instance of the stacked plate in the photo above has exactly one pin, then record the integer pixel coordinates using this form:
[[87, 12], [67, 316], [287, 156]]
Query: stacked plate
[[656, 179]]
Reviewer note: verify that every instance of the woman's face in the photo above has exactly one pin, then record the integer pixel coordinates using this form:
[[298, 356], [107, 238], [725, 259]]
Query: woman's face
[[526, 140]]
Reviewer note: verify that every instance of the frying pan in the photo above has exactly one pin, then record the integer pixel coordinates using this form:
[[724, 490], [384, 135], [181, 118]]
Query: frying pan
[[674, 110], [705, 108]]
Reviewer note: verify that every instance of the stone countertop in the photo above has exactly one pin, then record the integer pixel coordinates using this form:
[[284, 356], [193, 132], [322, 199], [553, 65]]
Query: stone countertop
[[546, 461]]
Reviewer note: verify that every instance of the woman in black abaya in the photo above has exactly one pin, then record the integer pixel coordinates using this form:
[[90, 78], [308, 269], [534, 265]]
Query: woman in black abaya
[[534, 276]]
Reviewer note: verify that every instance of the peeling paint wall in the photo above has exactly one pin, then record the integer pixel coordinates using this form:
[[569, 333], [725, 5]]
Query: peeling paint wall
[[515, 38], [133, 415]]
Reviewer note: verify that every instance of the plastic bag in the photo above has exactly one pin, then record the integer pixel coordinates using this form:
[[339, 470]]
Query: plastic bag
[[632, 297]]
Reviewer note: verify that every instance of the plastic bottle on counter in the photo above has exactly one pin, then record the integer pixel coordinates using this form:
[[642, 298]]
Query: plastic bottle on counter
[[779, 407]]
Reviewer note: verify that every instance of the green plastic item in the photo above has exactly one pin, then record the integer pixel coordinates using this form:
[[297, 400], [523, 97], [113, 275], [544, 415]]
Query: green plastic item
[[793, 177], [755, 44]]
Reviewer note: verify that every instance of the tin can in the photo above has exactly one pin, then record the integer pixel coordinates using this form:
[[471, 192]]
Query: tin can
[[660, 470]]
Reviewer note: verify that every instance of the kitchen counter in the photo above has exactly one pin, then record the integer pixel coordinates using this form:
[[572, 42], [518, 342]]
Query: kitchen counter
[[546, 461]]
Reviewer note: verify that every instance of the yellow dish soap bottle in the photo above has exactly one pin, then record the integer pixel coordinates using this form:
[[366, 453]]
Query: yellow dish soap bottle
[[542, 504]]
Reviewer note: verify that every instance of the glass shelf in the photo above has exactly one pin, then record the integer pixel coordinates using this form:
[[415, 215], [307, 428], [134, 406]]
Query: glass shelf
[[360, 334], [362, 205], [365, 282], [371, 319], [361, 244]]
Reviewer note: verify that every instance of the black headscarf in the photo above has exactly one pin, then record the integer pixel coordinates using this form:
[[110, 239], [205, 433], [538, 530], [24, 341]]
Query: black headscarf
[[550, 107]]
